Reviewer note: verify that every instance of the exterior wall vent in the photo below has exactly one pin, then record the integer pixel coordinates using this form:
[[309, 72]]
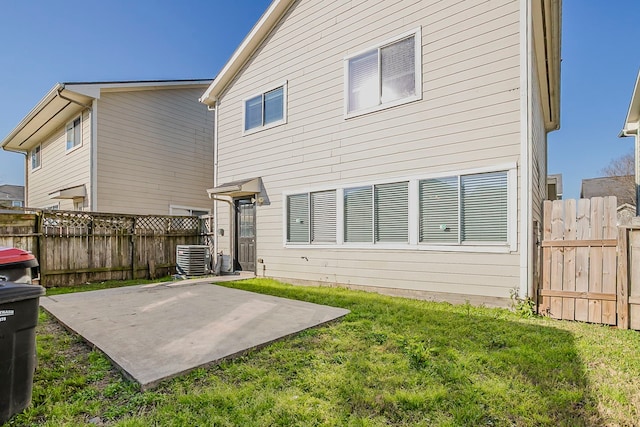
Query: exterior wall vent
[[193, 260]]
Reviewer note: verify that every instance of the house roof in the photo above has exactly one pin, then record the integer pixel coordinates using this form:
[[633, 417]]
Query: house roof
[[546, 19], [609, 186], [65, 100], [11, 192], [630, 126], [252, 41]]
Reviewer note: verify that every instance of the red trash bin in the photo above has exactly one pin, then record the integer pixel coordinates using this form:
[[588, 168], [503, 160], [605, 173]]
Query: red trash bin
[[17, 265]]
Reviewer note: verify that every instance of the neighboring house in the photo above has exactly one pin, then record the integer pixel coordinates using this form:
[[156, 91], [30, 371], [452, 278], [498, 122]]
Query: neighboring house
[[390, 146], [554, 187], [12, 195], [141, 147], [619, 186], [630, 128]]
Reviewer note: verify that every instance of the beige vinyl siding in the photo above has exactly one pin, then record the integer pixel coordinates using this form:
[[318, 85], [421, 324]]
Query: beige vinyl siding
[[61, 169], [155, 149], [539, 161], [468, 118]]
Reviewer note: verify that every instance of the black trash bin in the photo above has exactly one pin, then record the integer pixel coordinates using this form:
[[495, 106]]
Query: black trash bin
[[18, 319]]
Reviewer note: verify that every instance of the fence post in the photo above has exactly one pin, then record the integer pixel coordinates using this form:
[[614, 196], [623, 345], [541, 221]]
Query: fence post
[[133, 249], [623, 278]]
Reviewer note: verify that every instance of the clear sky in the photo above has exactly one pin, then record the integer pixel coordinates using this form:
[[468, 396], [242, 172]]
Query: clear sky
[[43, 42]]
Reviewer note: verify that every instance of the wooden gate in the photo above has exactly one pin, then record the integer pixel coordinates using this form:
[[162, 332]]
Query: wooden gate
[[579, 264]]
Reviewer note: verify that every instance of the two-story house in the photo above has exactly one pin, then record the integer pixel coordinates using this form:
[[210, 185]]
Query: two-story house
[[141, 147], [395, 146]]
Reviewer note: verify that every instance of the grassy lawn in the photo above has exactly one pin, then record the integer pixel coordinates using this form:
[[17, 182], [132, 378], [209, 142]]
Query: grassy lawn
[[392, 361]]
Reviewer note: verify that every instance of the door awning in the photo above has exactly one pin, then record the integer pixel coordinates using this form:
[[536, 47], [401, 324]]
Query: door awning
[[79, 191], [244, 187]]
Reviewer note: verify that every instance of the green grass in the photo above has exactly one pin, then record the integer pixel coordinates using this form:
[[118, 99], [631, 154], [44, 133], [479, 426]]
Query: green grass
[[104, 285], [392, 361]]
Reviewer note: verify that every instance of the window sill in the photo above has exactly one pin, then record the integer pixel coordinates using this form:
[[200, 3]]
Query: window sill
[[266, 127], [498, 248], [72, 149], [352, 114], [36, 169]]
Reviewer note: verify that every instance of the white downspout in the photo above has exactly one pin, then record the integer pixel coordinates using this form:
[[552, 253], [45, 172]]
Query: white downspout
[[215, 175], [526, 208], [93, 203]]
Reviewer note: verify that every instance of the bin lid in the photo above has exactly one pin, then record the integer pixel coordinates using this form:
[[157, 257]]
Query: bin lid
[[12, 292], [10, 257]]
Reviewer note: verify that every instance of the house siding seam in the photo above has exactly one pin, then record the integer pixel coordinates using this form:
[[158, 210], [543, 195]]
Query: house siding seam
[[469, 117]]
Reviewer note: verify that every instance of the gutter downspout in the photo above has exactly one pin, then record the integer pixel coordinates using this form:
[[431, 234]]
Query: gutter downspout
[[526, 255], [93, 206]]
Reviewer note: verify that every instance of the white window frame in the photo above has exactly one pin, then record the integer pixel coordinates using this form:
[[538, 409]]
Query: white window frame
[[417, 33], [31, 153], [511, 245], [17, 203], [79, 143], [187, 208], [262, 93]]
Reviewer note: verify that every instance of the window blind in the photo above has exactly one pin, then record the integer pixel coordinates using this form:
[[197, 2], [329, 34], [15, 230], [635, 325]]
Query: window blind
[[438, 210], [363, 81], [298, 218], [484, 207], [392, 212], [323, 217], [358, 215], [273, 105], [253, 113], [397, 65]]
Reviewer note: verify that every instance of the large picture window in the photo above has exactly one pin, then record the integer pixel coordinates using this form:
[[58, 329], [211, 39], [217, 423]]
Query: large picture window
[[464, 209], [266, 109], [311, 217], [384, 76], [468, 210], [376, 213]]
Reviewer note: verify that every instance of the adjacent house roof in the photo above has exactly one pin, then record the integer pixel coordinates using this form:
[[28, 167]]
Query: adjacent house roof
[[620, 186], [11, 192], [630, 126], [546, 20], [65, 100]]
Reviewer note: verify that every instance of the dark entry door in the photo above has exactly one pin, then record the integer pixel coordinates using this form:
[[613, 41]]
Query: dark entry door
[[246, 234]]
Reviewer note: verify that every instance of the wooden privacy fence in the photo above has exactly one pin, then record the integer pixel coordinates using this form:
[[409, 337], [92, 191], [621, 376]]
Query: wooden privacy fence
[[586, 262], [78, 247]]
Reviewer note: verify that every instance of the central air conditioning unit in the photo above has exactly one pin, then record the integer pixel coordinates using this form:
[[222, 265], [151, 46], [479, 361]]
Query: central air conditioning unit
[[193, 260]]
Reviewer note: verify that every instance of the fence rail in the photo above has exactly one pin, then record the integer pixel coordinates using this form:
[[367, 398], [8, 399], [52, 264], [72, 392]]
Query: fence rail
[[590, 266], [78, 247]]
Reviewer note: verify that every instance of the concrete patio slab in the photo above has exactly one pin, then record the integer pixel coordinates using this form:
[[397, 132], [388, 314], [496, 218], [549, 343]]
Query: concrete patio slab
[[159, 331]]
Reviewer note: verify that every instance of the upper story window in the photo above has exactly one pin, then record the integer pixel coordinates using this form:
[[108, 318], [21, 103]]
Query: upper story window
[[266, 110], [36, 160], [74, 133], [384, 76]]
